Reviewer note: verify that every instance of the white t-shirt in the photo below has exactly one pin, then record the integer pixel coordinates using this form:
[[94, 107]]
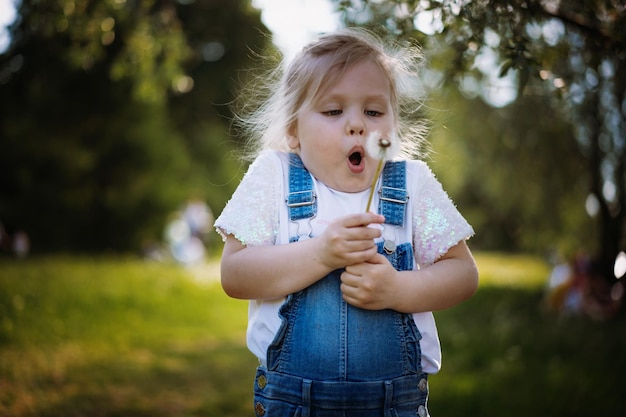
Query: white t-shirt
[[257, 210]]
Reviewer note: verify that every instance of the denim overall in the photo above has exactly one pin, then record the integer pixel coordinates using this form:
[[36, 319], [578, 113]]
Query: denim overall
[[332, 359]]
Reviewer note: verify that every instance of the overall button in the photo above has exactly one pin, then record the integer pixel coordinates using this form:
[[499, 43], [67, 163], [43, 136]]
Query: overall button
[[260, 410], [421, 411], [389, 246], [261, 381], [422, 385]]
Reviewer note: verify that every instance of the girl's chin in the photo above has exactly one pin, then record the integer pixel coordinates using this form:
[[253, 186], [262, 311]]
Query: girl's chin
[[350, 186]]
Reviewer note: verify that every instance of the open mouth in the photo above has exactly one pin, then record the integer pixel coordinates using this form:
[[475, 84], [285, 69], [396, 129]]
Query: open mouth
[[355, 158]]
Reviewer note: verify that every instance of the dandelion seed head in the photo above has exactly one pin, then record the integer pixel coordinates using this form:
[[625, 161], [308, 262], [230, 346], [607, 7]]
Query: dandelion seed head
[[382, 147]]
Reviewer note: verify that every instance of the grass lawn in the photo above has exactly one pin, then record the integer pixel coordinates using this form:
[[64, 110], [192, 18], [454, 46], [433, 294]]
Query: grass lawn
[[122, 337]]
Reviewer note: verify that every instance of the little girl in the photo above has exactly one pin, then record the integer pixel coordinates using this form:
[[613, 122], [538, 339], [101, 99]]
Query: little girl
[[341, 299]]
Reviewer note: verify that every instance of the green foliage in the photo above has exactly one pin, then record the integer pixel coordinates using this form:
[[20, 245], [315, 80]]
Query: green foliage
[[518, 181], [224, 38], [94, 171], [120, 337], [143, 40], [112, 115], [568, 56]]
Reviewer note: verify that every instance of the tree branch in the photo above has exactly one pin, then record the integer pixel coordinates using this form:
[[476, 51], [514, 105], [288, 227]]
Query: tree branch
[[593, 28]]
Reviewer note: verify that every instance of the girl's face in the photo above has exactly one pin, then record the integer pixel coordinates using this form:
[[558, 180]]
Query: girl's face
[[330, 133]]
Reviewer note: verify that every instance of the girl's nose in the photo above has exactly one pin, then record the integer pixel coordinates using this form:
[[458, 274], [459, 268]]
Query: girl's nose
[[355, 126], [356, 131]]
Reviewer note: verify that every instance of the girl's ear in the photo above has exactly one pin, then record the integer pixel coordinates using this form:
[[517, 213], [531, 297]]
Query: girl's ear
[[292, 137]]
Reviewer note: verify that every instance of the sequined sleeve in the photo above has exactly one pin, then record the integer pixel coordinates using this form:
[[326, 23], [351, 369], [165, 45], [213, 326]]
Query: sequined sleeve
[[437, 224], [251, 215]]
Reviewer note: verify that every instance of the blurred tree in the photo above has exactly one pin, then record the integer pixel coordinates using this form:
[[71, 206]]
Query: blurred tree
[[108, 117], [518, 179], [571, 53], [224, 39]]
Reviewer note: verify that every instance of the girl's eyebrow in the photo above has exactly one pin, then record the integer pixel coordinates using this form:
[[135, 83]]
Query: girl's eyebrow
[[336, 96]]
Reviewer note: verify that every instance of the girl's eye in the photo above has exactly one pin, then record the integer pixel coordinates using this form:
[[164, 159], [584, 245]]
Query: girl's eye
[[372, 113], [333, 112]]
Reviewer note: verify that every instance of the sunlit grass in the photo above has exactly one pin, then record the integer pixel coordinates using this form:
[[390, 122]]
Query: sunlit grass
[[112, 300], [515, 271], [505, 354], [110, 336], [123, 337]]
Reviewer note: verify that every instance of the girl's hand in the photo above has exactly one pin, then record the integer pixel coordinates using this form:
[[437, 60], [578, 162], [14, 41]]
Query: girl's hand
[[349, 240], [375, 284], [370, 285]]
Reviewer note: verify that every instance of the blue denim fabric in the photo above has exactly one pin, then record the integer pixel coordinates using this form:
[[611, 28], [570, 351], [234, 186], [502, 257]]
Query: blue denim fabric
[[393, 193], [333, 359], [301, 199], [284, 395]]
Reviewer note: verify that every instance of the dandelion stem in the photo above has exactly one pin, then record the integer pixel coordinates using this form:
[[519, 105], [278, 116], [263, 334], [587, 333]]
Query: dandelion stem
[[374, 181]]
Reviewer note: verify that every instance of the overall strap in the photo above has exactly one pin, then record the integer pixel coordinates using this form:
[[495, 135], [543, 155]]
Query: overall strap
[[301, 199], [393, 193]]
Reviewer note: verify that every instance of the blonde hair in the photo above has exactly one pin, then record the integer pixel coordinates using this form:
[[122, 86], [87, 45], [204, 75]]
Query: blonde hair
[[271, 102]]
